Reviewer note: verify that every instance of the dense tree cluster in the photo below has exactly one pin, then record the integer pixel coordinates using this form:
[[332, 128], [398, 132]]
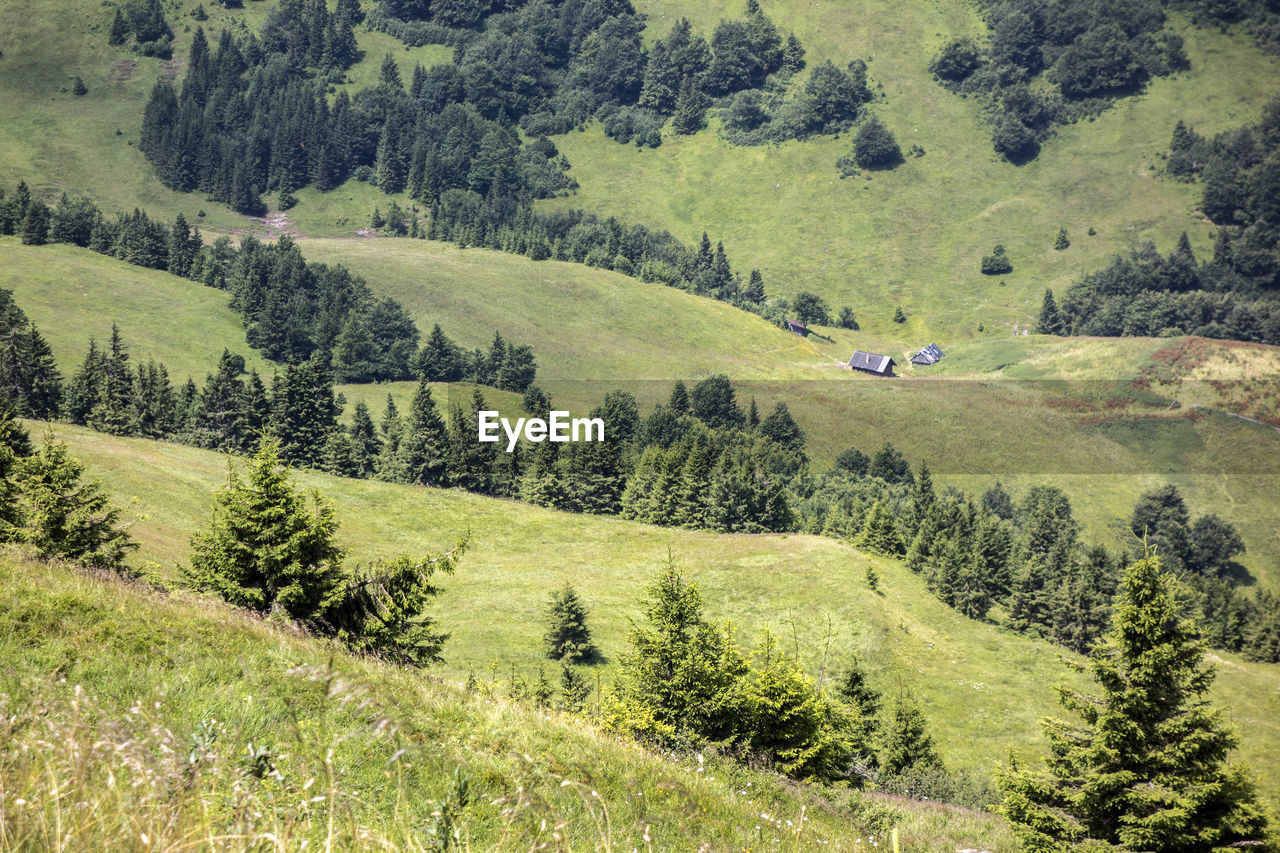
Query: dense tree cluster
[[143, 22], [1089, 53], [293, 310], [1236, 293], [684, 679]]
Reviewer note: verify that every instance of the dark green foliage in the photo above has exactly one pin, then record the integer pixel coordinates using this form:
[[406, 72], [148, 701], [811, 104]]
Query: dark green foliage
[[846, 320], [267, 547], [45, 506], [854, 461], [380, 610], [891, 466], [304, 411], [996, 263], [874, 146], [908, 745], [30, 384], [1145, 766], [690, 109], [898, 315], [780, 427], [879, 535], [1050, 319], [35, 224], [957, 60], [1061, 242], [1231, 296], [568, 638], [574, 689], [144, 21], [423, 451], [78, 88], [811, 309], [713, 402]]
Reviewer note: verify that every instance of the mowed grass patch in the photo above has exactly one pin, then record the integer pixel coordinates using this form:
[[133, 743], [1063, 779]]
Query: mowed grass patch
[[109, 683], [982, 688], [915, 235]]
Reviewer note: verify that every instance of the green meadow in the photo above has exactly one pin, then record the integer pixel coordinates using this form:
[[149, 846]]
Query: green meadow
[[982, 687]]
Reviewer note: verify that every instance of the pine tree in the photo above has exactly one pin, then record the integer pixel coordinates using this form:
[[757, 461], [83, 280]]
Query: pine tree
[[574, 689], [381, 610], [878, 534], [424, 445], [793, 54], [365, 436], [755, 288], [679, 402], [691, 109], [898, 316], [1146, 766], [568, 638], [35, 224], [61, 517], [266, 546], [865, 700], [1062, 242], [1050, 321], [41, 380], [907, 742]]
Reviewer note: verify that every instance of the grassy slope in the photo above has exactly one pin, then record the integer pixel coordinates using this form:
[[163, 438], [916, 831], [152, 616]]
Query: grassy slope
[[107, 683], [971, 432], [73, 294], [982, 688], [915, 235]]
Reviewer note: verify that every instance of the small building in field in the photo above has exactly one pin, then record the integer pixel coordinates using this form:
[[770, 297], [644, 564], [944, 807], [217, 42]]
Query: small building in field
[[929, 355], [869, 362], [797, 327]]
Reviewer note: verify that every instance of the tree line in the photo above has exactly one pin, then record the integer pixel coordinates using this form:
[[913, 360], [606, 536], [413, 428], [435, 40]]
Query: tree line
[[248, 120], [293, 310], [1235, 294], [698, 461], [1027, 556]]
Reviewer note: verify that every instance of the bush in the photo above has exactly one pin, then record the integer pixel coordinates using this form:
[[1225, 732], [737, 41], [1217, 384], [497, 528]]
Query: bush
[[996, 263], [874, 147], [957, 60]]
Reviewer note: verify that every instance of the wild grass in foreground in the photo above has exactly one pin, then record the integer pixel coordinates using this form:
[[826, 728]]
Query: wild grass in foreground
[[136, 721]]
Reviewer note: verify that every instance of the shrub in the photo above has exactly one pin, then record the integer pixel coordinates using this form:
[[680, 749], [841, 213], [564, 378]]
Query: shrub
[[996, 263]]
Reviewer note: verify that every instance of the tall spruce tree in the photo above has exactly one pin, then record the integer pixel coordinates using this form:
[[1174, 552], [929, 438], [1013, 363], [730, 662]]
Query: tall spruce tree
[[1145, 768], [1050, 319], [424, 446], [907, 742]]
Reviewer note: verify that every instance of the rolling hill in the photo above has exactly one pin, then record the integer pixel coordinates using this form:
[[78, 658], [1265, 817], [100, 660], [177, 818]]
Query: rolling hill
[[981, 687]]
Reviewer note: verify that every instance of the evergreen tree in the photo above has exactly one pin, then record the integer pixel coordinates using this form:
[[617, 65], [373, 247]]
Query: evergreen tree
[[424, 445], [682, 673], [266, 546], [54, 512], [679, 401], [907, 742], [1146, 766], [1050, 321], [874, 146], [996, 263], [691, 109], [755, 288], [568, 638], [365, 436], [41, 380], [1062, 242], [304, 411], [381, 610], [574, 689], [898, 316], [878, 534], [35, 225]]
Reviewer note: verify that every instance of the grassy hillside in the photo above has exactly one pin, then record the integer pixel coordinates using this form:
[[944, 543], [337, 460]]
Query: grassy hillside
[[127, 718], [982, 688], [914, 236], [73, 294], [1059, 424]]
